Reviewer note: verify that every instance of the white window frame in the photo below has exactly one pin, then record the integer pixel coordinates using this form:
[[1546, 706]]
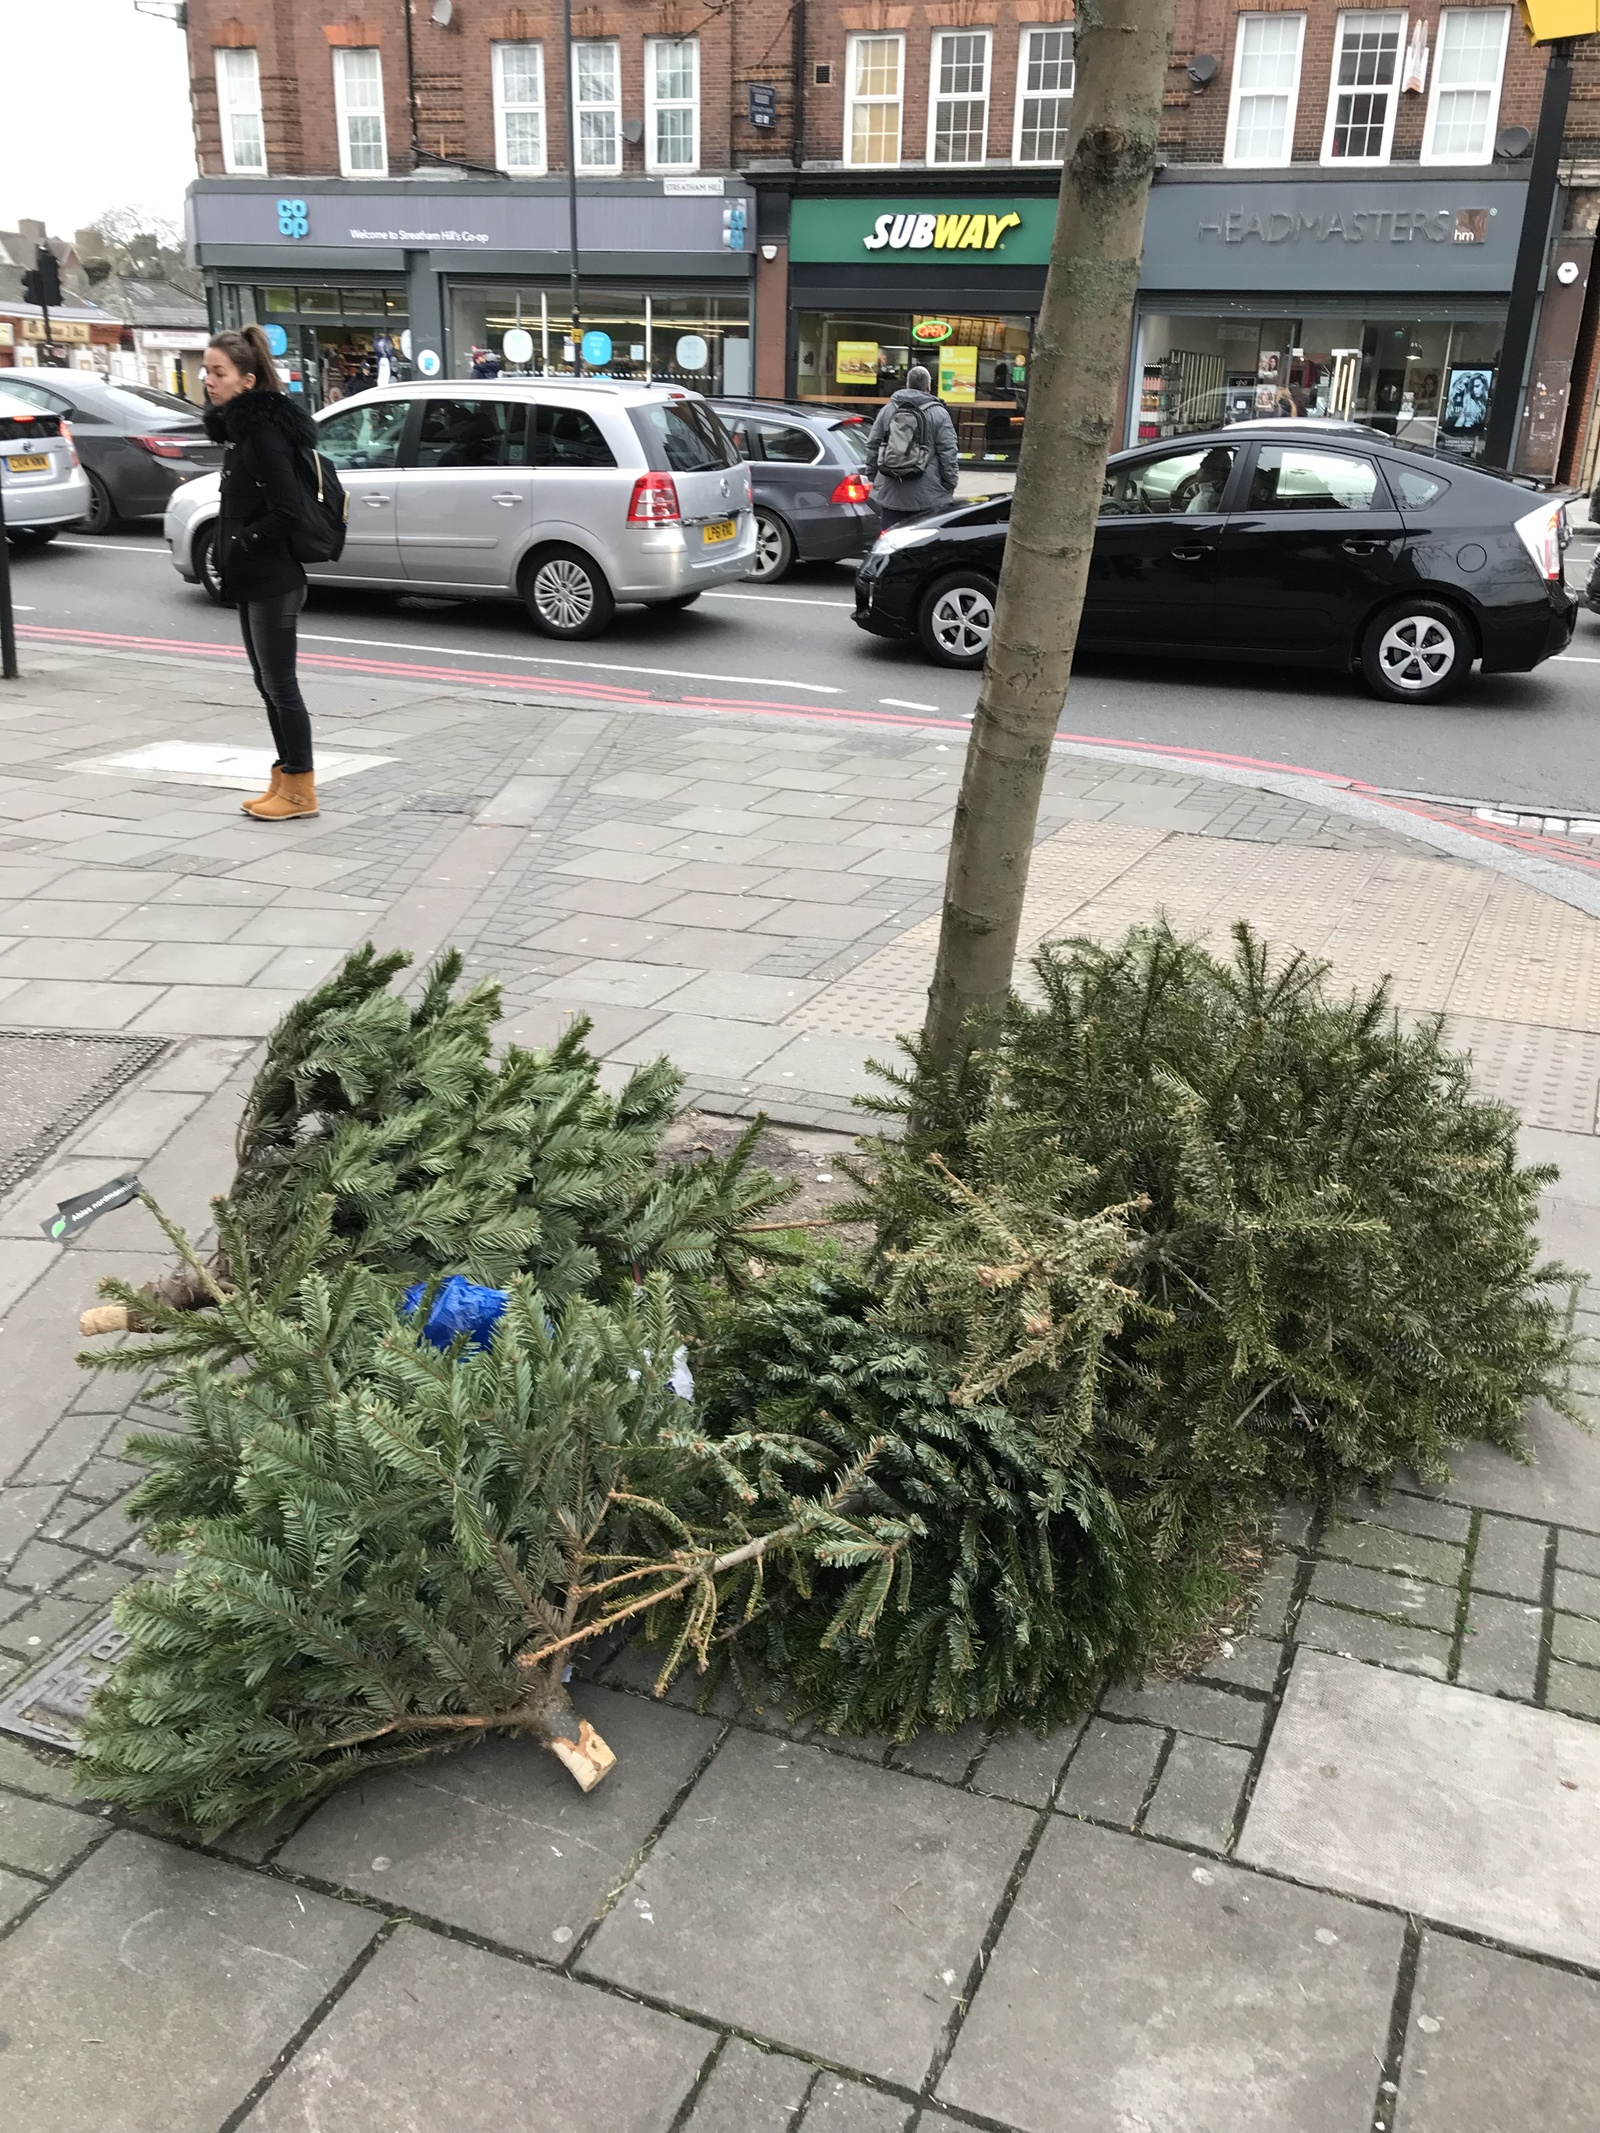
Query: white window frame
[[934, 97], [1230, 158], [1429, 154], [229, 108], [349, 167], [654, 104], [1354, 14], [613, 104], [505, 108], [1030, 30], [853, 103]]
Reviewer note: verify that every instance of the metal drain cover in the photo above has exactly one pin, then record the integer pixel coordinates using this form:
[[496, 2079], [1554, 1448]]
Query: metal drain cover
[[52, 1080], [50, 1704]]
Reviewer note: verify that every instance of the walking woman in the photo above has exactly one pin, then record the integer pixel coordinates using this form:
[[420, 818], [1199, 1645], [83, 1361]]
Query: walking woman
[[263, 432]]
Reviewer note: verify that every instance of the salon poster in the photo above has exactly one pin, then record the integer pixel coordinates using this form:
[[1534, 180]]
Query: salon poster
[[856, 363], [958, 375]]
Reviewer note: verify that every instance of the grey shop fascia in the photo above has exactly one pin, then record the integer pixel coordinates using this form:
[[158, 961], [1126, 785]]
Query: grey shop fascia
[[1314, 292], [428, 235]]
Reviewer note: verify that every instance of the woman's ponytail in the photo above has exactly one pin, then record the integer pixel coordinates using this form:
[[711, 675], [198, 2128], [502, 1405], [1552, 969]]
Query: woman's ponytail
[[246, 349]]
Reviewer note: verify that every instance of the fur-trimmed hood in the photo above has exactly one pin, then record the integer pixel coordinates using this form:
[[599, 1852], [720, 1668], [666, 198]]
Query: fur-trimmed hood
[[246, 413]]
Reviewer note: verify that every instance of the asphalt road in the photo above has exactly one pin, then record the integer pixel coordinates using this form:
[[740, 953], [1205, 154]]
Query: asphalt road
[[1523, 740]]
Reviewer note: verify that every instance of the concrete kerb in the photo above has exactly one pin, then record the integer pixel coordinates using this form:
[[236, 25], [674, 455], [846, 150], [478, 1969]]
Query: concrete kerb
[[1340, 796]]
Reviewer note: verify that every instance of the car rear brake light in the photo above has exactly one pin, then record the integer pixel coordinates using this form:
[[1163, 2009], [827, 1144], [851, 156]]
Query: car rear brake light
[[655, 501], [852, 490], [161, 447], [1540, 533], [65, 432]]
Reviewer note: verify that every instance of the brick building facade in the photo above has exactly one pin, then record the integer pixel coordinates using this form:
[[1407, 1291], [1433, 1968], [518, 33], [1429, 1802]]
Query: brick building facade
[[787, 190]]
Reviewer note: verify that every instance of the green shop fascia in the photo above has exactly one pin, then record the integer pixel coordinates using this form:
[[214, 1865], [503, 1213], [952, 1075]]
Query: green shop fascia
[[878, 283]]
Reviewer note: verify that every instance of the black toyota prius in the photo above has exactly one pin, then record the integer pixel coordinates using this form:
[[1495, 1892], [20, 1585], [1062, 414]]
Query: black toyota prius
[[1309, 544]]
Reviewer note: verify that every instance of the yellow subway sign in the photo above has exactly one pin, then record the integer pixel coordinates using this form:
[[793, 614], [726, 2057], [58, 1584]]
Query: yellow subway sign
[[1013, 233]]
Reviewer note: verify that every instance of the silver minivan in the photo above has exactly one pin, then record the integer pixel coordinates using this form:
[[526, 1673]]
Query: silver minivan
[[573, 495]]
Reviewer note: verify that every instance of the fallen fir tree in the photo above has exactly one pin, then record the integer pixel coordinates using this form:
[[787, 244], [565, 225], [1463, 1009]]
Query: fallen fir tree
[[1191, 1234], [385, 1550], [434, 1156]]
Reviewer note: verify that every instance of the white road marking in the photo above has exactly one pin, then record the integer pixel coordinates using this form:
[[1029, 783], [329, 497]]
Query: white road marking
[[544, 659], [1575, 659], [117, 547], [781, 599], [904, 703]]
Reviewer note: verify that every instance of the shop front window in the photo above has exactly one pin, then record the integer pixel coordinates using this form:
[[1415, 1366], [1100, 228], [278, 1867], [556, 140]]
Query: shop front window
[[702, 342], [336, 340], [979, 368], [1427, 382]]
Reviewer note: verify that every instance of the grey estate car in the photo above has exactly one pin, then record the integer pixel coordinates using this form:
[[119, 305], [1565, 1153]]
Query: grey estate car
[[573, 495], [808, 472]]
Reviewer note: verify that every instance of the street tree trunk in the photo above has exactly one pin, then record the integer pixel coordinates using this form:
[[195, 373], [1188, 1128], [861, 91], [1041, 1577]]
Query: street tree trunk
[[1076, 369]]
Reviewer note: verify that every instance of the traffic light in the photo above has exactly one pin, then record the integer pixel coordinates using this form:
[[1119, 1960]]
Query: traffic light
[[41, 284], [1546, 20], [733, 227]]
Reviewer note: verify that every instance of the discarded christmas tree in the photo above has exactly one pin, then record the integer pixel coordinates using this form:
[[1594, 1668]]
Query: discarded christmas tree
[[385, 1550], [436, 1157], [1191, 1234]]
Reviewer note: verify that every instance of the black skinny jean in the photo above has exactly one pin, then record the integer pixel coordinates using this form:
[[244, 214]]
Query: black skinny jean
[[269, 638]]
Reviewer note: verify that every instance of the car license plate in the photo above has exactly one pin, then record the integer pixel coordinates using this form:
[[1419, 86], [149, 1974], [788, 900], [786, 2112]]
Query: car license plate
[[39, 463], [722, 529]]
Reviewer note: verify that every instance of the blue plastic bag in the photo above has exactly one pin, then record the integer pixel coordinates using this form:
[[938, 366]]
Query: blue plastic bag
[[459, 1306]]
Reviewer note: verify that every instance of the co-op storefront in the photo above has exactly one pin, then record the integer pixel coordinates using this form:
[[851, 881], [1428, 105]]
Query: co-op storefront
[[1307, 293], [437, 275]]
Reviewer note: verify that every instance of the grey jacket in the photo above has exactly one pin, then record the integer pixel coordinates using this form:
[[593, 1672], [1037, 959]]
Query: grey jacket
[[936, 484]]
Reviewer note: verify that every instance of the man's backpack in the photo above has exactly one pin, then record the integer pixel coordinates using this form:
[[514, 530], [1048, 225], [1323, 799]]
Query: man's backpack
[[906, 450], [323, 510]]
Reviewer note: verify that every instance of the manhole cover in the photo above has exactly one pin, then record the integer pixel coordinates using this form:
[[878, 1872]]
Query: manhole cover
[[50, 1704], [50, 1082]]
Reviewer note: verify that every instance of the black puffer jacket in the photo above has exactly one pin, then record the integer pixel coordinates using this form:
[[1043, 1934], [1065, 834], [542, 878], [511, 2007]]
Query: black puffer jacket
[[262, 436]]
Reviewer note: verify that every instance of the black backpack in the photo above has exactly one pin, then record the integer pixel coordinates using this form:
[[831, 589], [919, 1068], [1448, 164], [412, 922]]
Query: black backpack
[[322, 513], [905, 451]]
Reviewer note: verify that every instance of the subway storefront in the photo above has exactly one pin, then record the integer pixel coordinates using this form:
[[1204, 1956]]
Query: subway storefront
[[879, 283]]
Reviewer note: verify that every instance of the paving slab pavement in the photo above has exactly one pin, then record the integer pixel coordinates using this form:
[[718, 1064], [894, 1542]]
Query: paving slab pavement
[[1122, 1925]]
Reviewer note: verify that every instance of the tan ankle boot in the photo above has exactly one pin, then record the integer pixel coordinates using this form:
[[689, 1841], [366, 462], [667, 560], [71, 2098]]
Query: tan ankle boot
[[271, 793], [295, 798]]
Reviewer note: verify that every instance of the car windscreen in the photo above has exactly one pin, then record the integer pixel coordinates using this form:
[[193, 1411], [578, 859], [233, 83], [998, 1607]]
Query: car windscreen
[[851, 437], [140, 400], [684, 436]]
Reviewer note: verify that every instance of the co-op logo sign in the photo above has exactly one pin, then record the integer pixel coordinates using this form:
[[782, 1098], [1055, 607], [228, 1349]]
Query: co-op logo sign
[[940, 233]]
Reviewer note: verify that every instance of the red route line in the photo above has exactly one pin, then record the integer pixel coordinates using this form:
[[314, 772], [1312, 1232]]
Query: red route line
[[1528, 842]]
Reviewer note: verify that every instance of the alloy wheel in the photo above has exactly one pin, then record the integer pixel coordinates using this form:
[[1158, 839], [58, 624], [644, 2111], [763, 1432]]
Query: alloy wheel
[[772, 547], [563, 594], [1416, 653], [206, 557], [962, 621], [101, 516]]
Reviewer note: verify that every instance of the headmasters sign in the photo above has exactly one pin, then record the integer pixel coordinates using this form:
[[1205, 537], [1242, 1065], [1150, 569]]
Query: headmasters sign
[[1410, 232]]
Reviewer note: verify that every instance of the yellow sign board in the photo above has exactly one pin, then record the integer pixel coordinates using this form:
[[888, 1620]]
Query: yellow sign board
[[75, 330], [1547, 20], [958, 373], [856, 363]]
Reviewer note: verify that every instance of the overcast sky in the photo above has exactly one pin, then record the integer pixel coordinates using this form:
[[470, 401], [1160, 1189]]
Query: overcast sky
[[104, 118]]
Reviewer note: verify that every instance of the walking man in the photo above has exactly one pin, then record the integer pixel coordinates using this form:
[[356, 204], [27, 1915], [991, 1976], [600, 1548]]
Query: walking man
[[912, 455]]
